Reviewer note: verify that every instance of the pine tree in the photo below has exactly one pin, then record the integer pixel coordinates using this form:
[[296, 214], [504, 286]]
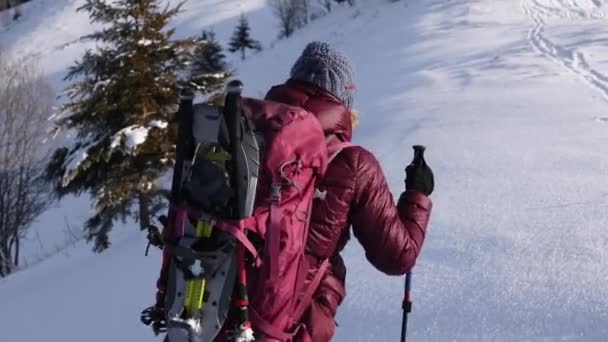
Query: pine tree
[[120, 107], [208, 64], [241, 39]]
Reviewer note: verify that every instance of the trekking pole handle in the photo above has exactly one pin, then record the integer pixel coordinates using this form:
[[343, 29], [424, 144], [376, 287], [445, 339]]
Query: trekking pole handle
[[418, 154]]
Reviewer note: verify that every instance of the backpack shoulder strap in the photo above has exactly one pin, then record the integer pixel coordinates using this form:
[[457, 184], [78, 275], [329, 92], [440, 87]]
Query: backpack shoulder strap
[[299, 309], [334, 148], [310, 291]]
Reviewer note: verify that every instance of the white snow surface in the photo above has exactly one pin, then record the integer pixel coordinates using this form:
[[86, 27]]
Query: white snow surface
[[132, 136], [510, 98], [75, 162], [145, 42]]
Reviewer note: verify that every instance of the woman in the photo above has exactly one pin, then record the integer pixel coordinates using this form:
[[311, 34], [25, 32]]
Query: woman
[[354, 190]]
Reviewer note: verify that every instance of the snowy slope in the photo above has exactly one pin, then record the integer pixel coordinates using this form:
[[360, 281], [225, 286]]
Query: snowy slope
[[509, 97]]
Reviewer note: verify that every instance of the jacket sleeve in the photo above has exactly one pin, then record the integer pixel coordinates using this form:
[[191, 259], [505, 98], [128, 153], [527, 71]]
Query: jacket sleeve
[[392, 236]]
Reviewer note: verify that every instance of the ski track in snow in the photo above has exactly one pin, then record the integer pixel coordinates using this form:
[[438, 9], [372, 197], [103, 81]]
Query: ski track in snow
[[43, 47], [571, 58]]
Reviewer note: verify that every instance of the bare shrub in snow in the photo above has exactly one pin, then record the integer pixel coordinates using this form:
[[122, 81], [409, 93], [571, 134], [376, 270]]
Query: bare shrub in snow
[[349, 2], [25, 102], [326, 4], [289, 13], [304, 9]]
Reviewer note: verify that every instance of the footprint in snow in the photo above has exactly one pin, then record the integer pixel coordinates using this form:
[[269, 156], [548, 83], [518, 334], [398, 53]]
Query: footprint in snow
[[601, 119]]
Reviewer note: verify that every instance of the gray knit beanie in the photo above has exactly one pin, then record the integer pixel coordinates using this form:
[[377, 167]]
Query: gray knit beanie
[[327, 68]]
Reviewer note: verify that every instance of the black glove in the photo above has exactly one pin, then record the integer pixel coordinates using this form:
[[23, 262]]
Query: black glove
[[419, 176], [155, 315]]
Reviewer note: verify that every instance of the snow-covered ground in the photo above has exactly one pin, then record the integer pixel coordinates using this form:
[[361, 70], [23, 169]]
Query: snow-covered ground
[[509, 97]]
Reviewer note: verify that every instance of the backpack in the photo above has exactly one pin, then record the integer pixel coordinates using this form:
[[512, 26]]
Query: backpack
[[294, 157], [270, 179]]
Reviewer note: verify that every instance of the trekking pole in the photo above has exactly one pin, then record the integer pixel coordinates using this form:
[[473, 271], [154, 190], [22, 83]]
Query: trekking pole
[[232, 112], [407, 305], [407, 299]]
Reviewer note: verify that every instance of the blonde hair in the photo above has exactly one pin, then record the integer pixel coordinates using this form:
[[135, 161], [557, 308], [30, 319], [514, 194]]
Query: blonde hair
[[354, 118]]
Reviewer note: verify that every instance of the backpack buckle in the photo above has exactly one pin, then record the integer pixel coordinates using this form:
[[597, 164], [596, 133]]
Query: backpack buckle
[[321, 195], [275, 195]]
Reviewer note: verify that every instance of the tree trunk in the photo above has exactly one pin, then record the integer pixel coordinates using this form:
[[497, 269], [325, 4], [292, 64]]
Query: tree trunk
[[5, 262], [2, 263], [144, 211], [305, 8], [17, 248], [21, 208], [243, 53]]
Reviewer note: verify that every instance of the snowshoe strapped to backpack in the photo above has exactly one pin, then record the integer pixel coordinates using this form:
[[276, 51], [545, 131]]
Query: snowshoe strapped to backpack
[[249, 184], [199, 263]]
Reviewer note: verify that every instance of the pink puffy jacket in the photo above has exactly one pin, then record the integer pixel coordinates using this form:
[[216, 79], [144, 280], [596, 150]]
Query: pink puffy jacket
[[357, 195]]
